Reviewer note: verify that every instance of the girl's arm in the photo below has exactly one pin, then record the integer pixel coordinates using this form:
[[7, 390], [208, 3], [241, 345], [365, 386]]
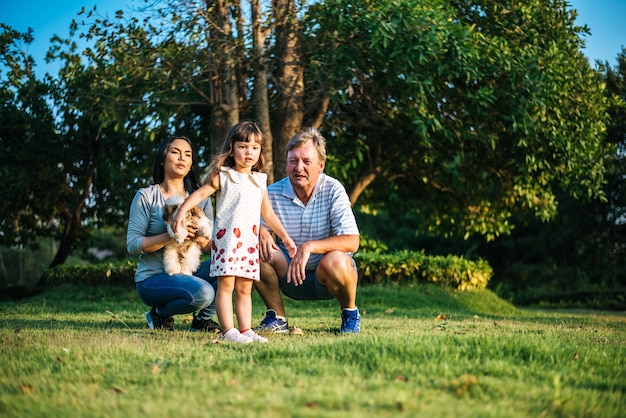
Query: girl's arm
[[194, 199], [274, 223]]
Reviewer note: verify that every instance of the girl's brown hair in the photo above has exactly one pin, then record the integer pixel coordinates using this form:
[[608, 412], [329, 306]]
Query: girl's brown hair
[[245, 131]]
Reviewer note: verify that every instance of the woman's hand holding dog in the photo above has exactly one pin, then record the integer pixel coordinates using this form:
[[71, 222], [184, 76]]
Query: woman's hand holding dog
[[203, 242]]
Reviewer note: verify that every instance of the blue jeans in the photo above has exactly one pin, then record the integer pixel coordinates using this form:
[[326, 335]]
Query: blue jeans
[[180, 294]]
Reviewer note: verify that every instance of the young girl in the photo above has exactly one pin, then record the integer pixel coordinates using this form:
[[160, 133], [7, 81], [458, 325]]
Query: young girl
[[236, 174]]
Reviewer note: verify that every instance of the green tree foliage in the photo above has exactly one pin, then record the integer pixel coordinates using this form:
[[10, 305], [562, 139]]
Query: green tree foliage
[[462, 113], [69, 157], [29, 161], [584, 247], [579, 255]]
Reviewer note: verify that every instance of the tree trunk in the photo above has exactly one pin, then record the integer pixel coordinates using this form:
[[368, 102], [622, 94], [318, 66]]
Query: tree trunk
[[72, 222], [315, 115], [360, 186], [260, 98], [224, 46], [289, 81], [241, 55]]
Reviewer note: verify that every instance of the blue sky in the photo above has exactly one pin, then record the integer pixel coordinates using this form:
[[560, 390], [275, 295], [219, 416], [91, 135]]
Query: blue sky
[[605, 19]]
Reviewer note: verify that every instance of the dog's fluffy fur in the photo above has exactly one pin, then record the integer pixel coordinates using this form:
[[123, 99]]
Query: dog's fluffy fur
[[183, 256]]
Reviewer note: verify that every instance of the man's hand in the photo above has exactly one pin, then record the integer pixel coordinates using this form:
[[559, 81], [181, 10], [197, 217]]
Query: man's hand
[[291, 246], [297, 267], [267, 245]]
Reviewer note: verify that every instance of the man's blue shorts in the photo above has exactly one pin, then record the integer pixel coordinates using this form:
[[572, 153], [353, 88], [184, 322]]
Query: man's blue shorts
[[310, 289]]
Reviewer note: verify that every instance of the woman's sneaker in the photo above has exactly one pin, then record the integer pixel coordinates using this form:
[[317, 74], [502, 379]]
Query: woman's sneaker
[[233, 335], [273, 323], [255, 337], [156, 321], [204, 325]]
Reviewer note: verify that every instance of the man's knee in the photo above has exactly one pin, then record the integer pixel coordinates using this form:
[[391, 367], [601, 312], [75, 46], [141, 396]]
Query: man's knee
[[275, 269], [337, 267]]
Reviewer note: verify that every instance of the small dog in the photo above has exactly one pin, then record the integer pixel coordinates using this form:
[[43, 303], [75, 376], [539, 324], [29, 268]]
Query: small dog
[[183, 256]]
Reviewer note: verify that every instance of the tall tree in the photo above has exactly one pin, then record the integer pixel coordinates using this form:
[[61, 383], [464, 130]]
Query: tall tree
[[463, 112], [29, 160], [65, 157]]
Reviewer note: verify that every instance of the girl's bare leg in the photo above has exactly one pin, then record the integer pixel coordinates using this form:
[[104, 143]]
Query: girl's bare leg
[[224, 301], [243, 302]]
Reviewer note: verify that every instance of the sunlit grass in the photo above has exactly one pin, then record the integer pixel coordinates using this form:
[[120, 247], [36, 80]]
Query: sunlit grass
[[424, 351]]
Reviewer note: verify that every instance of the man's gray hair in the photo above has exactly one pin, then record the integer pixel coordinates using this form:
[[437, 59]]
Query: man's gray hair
[[309, 134]]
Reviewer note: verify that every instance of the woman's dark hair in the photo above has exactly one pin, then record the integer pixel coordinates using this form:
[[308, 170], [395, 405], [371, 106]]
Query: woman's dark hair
[[191, 180]]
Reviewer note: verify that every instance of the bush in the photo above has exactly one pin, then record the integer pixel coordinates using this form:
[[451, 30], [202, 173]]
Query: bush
[[120, 273], [404, 267], [22, 267]]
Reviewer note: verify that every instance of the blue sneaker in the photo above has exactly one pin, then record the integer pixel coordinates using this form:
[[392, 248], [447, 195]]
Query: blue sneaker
[[273, 323], [350, 321]]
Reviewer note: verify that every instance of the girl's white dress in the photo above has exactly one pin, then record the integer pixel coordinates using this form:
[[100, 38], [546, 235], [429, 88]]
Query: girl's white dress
[[235, 246]]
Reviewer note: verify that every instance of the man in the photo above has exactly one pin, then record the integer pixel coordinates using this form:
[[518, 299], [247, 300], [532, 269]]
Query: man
[[315, 210]]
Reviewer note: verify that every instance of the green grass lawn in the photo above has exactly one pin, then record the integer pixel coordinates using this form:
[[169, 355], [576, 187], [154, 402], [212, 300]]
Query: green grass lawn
[[424, 351]]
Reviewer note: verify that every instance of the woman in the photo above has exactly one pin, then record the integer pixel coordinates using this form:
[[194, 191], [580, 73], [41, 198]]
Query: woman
[[174, 173]]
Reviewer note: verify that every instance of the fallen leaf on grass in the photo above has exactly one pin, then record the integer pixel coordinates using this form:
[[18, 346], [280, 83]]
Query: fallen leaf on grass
[[26, 388], [400, 378], [296, 331], [119, 390], [389, 311], [462, 384], [441, 327], [445, 325], [575, 356]]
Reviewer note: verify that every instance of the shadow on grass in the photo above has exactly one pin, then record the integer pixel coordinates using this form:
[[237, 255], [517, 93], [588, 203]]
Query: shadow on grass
[[52, 324]]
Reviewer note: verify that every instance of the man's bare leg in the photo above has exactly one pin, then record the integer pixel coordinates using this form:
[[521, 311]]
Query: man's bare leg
[[336, 271], [268, 287]]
